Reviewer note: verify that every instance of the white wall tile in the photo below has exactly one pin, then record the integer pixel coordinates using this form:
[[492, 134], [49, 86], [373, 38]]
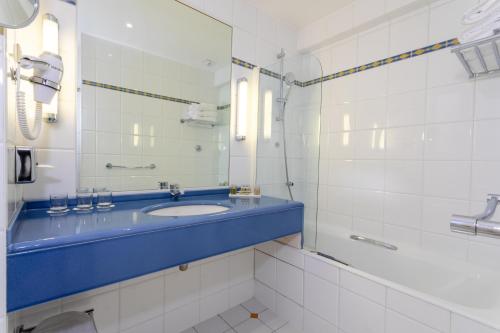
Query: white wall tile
[[354, 306], [487, 99], [460, 324], [290, 311], [419, 310], [290, 255], [409, 32], [397, 323], [450, 103], [214, 276], [447, 179], [290, 281], [321, 298], [265, 295], [322, 269], [315, 324], [374, 44], [214, 304], [448, 141], [406, 109], [486, 136], [241, 267], [141, 302], [182, 318], [265, 269], [405, 76], [182, 288]]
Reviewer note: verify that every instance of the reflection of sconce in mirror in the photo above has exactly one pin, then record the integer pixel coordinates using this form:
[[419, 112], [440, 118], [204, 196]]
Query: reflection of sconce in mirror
[[268, 114], [50, 40], [241, 109]]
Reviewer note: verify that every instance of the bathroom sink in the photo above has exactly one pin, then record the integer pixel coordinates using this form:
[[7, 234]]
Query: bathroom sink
[[188, 210]]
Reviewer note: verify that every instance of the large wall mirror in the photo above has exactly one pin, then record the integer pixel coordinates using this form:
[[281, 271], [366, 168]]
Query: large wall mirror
[[155, 94]]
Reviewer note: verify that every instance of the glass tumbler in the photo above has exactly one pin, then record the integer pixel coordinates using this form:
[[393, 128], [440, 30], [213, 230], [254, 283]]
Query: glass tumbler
[[104, 198], [83, 199], [58, 203]]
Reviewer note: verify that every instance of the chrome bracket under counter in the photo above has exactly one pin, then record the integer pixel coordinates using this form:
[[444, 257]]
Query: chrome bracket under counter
[[49, 257], [478, 225]]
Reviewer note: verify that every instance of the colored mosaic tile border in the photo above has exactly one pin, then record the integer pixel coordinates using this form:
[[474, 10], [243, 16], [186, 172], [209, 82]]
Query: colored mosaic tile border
[[137, 92], [354, 70], [386, 61], [264, 71]]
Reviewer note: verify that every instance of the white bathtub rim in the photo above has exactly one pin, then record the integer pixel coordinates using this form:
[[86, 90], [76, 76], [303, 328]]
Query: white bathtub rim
[[446, 305]]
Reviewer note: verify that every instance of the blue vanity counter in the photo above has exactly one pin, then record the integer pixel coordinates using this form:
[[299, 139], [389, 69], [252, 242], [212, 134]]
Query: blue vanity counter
[[55, 256]]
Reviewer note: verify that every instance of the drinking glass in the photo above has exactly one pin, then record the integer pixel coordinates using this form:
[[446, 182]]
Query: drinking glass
[[104, 198], [83, 199], [58, 203]]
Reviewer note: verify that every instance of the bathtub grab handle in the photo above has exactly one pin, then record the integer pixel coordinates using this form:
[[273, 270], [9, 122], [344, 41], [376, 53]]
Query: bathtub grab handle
[[374, 242]]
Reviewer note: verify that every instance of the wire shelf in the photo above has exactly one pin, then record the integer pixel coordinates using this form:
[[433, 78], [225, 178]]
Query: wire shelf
[[481, 57]]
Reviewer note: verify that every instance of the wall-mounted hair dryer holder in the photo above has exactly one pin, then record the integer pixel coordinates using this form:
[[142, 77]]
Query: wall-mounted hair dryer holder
[[47, 75]]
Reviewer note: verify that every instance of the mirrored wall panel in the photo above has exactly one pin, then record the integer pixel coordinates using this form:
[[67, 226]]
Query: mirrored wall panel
[[155, 94]]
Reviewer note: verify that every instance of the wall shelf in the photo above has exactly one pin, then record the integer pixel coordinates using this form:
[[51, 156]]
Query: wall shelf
[[481, 57]]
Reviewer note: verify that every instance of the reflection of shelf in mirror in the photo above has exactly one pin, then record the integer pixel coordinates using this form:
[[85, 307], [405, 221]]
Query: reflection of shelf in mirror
[[198, 122]]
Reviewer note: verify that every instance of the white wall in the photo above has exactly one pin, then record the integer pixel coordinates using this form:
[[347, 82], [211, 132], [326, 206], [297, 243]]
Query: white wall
[[57, 142], [405, 145]]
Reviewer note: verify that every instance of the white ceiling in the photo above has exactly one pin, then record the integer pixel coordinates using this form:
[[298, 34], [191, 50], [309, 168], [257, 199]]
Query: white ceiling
[[299, 12]]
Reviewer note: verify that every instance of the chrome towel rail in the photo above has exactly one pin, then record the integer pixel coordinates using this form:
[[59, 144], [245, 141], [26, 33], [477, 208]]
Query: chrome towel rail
[[111, 166], [374, 242]]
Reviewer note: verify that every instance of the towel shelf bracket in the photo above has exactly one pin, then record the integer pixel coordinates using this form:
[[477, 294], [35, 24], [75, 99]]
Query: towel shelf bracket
[[481, 57]]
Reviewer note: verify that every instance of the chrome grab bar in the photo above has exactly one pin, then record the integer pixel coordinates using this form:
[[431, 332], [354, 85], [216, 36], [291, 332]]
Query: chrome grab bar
[[478, 224], [111, 166], [374, 242]]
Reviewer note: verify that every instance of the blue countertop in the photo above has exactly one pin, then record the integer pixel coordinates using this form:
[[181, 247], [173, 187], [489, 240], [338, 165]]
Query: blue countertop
[[54, 256]]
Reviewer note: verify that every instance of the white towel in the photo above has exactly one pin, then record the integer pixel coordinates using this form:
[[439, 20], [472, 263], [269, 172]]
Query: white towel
[[67, 322], [485, 29]]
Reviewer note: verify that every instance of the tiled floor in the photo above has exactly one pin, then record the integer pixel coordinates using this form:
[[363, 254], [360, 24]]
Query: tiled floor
[[240, 319]]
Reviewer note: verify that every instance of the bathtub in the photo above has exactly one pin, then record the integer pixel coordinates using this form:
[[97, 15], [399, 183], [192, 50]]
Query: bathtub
[[458, 286]]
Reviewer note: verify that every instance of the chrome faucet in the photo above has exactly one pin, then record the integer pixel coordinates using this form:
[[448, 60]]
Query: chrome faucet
[[479, 225], [176, 191]]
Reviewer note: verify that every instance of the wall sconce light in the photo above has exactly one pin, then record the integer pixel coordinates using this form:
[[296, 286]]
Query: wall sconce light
[[241, 109], [50, 43], [268, 114]]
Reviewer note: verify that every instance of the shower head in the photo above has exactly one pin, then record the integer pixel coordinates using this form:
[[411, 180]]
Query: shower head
[[289, 79]]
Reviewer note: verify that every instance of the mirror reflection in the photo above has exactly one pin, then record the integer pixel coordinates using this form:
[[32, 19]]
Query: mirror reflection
[[155, 94], [17, 13]]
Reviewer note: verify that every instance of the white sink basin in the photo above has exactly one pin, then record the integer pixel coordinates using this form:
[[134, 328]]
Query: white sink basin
[[188, 210]]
